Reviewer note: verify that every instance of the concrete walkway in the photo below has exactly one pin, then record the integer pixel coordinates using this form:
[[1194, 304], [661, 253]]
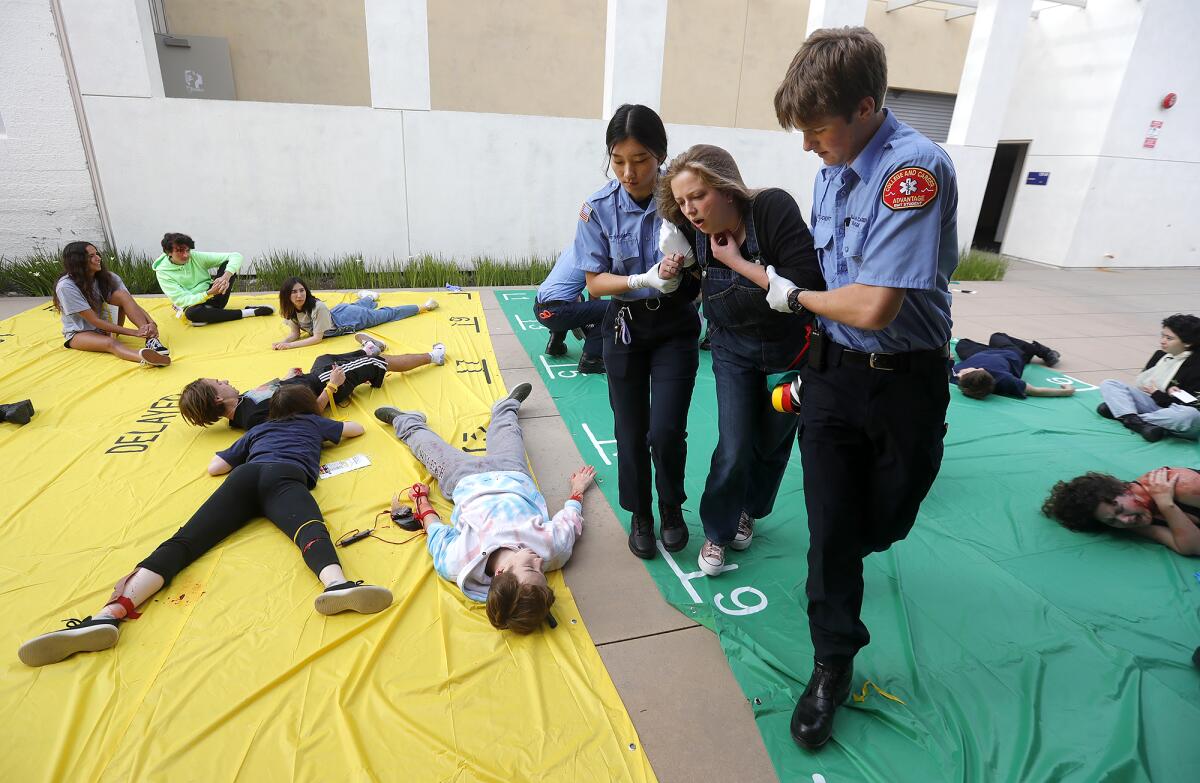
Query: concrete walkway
[[693, 720]]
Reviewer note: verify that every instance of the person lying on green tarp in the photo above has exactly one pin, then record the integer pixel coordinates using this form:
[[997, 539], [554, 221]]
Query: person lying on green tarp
[[1163, 505], [997, 367]]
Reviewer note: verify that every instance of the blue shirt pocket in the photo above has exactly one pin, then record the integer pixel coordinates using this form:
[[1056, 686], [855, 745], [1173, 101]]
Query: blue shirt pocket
[[626, 254], [852, 248]]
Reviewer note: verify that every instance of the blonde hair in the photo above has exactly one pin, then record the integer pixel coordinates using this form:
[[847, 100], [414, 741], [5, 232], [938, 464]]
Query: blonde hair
[[831, 73], [714, 167]]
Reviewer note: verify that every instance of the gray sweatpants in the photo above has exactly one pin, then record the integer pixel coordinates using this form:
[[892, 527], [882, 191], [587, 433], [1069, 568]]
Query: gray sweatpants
[[505, 447]]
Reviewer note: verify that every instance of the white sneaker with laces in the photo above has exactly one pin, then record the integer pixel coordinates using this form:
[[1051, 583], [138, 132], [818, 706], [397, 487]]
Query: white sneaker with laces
[[712, 558], [431, 304], [438, 354], [372, 346], [745, 532], [365, 294]]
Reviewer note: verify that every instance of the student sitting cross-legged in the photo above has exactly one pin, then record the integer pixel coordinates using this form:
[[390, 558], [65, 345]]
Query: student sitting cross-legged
[[272, 470], [501, 539]]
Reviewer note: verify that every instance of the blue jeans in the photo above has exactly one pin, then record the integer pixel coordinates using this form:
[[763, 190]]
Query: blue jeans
[[364, 314], [754, 440], [564, 316], [1182, 421]]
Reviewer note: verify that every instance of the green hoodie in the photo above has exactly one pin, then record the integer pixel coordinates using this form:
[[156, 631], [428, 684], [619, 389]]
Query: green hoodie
[[188, 284]]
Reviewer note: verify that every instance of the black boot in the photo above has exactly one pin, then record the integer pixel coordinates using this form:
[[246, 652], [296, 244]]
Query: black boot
[[17, 412], [591, 365], [812, 720], [1048, 355], [1104, 411], [641, 536], [674, 531], [557, 346], [1151, 432]]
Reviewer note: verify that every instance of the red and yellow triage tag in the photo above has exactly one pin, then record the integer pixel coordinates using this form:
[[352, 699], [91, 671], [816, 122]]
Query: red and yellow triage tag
[[910, 188]]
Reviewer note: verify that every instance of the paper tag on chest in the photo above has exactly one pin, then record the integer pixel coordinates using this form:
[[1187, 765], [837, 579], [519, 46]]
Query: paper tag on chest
[[909, 188]]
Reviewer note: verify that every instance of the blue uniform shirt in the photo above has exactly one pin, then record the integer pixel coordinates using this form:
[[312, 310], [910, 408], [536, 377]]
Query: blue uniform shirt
[[616, 235], [888, 219], [565, 281]]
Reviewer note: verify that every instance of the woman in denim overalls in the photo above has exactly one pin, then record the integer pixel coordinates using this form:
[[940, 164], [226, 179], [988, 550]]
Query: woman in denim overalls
[[737, 233], [650, 328]]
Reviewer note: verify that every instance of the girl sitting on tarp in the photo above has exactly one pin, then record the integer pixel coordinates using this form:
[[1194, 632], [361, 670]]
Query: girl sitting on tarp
[[271, 471], [306, 314], [501, 539]]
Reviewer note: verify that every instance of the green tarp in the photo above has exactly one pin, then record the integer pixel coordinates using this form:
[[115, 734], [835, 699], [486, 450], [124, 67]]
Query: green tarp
[[1021, 651]]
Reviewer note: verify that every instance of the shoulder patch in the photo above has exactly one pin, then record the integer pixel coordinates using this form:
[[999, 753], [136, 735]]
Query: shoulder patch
[[585, 212], [911, 187]]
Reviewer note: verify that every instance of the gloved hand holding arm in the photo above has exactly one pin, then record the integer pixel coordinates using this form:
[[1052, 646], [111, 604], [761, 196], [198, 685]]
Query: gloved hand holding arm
[[672, 241]]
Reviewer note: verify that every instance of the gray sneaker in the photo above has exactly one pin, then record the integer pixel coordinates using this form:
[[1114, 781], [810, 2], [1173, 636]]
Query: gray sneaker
[[745, 532], [712, 558]]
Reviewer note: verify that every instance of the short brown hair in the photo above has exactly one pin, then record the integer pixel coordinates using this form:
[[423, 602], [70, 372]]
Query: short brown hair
[[521, 608], [977, 384], [292, 399], [173, 238], [833, 71], [198, 403], [1073, 503], [714, 166]]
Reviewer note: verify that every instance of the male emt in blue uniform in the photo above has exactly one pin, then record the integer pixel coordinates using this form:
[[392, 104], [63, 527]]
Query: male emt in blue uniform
[[873, 412]]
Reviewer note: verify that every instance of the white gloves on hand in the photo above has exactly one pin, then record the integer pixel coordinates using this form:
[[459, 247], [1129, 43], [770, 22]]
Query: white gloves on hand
[[672, 241], [651, 279], [777, 294]]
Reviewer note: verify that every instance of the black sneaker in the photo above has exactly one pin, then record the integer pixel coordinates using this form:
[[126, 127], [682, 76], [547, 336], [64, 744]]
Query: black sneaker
[[591, 365], [263, 310], [520, 392], [86, 635], [1104, 411], [387, 415], [154, 344], [353, 597], [641, 536], [674, 531], [17, 412], [557, 345]]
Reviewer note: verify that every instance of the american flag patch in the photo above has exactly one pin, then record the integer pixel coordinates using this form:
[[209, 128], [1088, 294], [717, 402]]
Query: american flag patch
[[585, 212]]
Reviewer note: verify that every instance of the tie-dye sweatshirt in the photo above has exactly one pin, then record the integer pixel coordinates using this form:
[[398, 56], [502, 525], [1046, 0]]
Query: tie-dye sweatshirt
[[499, 510]]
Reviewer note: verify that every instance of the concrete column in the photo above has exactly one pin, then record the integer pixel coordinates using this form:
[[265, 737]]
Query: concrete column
[[989, 72], [634, 44], [398, 53], [835, 13]]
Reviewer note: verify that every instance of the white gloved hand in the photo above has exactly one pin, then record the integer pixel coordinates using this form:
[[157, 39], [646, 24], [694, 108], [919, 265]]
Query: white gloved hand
[[672, 241], [777, 294], [651, 279]]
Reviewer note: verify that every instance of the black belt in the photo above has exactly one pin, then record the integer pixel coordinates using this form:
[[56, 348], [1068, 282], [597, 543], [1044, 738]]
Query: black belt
[[839, 355]]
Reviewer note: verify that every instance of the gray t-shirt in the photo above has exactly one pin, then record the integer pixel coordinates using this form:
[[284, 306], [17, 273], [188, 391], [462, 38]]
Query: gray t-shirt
[[319, 322], [73, 302]]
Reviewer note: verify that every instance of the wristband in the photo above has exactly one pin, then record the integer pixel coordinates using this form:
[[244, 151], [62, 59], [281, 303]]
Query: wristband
[[577, 497], [421, 515]]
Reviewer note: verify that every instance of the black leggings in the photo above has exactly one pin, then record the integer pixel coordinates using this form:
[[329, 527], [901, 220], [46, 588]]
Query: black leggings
[[276, 490], [213, 311]]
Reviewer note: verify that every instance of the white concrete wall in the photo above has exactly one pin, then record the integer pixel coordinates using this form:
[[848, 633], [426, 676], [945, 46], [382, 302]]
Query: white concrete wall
[[398, 50], [107, 46], [46, 195]]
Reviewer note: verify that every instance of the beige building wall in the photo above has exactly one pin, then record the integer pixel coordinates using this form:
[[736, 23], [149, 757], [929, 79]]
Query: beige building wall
[[724, 59], [290, 51], [543, 57]]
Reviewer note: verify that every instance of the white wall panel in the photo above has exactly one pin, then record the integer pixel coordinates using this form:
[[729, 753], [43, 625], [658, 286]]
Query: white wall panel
[[107, 46]]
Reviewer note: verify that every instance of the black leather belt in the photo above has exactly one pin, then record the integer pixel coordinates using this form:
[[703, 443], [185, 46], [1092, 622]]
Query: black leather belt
[[888, 362]]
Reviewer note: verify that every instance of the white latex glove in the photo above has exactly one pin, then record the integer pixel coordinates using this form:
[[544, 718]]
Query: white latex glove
[[672, 241], [651, 279], [777, 294]]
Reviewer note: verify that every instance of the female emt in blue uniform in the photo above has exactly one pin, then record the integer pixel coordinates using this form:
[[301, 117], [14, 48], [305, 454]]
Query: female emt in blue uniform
[[702, 191], [875, 391], [650, 329]]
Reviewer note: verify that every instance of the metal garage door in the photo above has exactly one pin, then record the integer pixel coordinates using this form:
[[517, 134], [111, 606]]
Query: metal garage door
[[928, 112]]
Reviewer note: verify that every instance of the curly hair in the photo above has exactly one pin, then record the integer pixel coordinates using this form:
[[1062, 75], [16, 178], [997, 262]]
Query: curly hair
[[1073, 503], [1185, 327], [173, 238], [977, 384], [521, 608], [198, 403]]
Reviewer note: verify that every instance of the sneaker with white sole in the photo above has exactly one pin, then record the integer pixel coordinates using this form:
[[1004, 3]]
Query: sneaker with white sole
[[430, 304], [86, 635], [353, 597], [153, 357], [438, 354], [372, 345], [712, 558], [745, 532], [365, 294], [156, 344]]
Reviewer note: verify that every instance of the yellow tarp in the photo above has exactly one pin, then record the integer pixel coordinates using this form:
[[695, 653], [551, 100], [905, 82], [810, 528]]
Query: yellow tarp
[[231, 674]]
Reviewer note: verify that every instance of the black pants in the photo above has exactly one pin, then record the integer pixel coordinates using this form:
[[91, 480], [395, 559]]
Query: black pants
[[275, 490], [650, 382], [871, 446], [213, 311], [359, 368], [968, 348], [561, 317]]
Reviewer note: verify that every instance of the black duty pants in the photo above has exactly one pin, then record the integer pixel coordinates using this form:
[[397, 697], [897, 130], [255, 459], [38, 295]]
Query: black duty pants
[[650, 382], [213, 311], [275, 490], [871, 446], [968, 348]]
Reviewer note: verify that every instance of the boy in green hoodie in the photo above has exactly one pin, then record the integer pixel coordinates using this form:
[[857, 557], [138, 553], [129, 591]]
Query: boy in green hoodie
[[184, 277]]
